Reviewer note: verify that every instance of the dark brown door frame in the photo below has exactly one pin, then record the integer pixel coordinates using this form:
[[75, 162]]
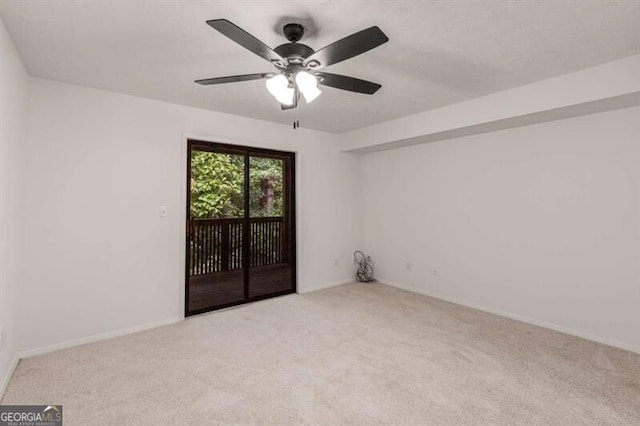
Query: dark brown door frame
[[290, 219]]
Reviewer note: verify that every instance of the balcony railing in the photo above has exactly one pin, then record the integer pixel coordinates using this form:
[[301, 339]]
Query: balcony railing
[[215, 245]]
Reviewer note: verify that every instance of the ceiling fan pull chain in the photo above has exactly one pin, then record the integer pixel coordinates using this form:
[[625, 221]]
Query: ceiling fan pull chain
[[296, 122]]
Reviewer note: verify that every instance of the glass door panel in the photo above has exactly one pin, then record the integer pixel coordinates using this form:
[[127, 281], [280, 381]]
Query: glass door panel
[[216, 229], [270, 269]]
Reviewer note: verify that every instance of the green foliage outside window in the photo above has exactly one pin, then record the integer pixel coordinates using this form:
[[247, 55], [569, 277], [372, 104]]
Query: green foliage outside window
[[265, 187], [217, 182]]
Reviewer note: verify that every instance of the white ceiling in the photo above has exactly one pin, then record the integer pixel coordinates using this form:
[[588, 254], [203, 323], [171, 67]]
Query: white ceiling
[[439, 53]]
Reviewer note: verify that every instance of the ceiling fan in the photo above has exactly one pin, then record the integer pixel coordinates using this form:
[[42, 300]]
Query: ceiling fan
[[299, 68]]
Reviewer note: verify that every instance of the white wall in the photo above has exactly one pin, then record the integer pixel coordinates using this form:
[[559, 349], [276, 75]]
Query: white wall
[[539, 222], [13, 114], [100, 165]]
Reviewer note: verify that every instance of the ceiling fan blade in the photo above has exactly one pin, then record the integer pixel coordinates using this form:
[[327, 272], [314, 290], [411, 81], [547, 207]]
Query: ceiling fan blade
[[346, 48], [233, 78], [247, 41], [344, 82]]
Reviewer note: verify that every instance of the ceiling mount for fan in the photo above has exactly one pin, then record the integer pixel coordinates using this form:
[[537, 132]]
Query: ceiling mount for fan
[[293, 32], [299, 68]]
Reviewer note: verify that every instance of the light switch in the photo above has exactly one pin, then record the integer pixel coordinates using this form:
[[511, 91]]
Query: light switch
[[163, 211]]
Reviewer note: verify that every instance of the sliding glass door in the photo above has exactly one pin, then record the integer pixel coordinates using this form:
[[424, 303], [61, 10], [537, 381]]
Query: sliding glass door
[[240, 225]]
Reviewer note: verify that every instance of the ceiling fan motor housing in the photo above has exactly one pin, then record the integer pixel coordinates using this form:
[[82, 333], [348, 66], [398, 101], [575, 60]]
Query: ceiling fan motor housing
[[294, 53]]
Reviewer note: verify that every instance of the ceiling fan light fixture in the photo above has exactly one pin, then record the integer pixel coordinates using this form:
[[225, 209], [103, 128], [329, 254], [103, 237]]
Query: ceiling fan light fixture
[[308, 85], [278, 86]]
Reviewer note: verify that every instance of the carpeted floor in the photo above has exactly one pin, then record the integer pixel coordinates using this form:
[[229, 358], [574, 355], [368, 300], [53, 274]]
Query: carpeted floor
[[356, 354]]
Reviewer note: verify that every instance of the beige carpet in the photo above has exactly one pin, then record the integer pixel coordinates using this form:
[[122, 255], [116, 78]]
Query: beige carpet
[[356, 354]]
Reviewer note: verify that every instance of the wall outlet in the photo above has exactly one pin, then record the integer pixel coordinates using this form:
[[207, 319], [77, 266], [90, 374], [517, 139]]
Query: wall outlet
[[2, 333], [409, 266], [163, 211], [436, 273]]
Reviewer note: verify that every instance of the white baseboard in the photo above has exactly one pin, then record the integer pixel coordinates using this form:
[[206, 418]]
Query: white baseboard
[[95, 338], [324, 286], [77, 342], [7, 377], [555, 327]]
